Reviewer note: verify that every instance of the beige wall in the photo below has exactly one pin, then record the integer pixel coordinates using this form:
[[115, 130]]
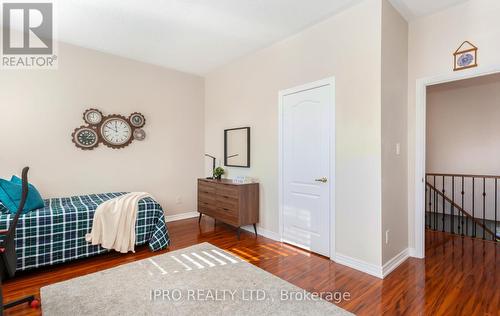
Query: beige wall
[[463, 127], [394, 132], [40, 109], [245, 93], [432, 40]]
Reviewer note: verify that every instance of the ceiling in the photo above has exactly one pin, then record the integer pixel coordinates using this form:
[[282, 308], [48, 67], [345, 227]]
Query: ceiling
[[197, 36], [412, 9]]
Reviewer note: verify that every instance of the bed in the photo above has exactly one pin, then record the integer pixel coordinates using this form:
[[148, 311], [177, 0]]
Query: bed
[[56, 233]]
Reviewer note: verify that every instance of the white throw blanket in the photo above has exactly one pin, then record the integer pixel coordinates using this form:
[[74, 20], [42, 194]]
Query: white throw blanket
[[114, 222]]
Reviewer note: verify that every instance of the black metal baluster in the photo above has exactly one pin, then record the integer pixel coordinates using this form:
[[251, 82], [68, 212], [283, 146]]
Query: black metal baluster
[[431, 200], [495, 230], [442, 218], [435, 205], [430, 207], [425, 206], [452, 203], [463, 215], [473, 223], [484, 207]]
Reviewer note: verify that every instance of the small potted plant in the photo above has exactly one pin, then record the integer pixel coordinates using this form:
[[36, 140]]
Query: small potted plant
[[218, 172]]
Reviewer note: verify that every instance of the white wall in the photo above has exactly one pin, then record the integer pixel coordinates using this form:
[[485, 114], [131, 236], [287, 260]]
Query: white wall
[[394, 131], [245, 93], [40, 109], [432, 40]]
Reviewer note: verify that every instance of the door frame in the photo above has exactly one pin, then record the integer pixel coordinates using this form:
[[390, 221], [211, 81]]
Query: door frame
[[332, 180], [420, 145]]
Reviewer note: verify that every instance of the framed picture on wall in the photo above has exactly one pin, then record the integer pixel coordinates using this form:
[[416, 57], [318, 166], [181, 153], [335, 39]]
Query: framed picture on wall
[[465, 56], [237, 147]]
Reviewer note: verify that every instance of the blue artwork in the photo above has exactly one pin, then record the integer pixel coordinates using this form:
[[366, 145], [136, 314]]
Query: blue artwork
[[465, 60]]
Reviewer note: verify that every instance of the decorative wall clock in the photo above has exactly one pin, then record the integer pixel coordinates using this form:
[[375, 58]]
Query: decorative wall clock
[[85, 137], [115, 131], [465, 56]]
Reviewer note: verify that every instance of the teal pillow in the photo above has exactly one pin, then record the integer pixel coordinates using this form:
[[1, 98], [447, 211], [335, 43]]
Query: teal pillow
[[10, 195]]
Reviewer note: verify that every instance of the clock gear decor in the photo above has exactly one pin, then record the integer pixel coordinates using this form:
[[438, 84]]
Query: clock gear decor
[[137, 120], [114, 131], [85, 138], [139, 134], [92, 116]]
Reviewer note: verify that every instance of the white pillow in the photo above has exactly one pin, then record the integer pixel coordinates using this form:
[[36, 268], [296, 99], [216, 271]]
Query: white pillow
[[3, 209]]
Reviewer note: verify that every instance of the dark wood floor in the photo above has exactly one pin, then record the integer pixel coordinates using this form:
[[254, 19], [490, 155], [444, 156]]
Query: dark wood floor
[[460, 276]]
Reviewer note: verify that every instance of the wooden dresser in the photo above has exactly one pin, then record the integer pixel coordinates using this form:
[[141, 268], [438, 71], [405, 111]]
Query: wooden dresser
[[236, 204]]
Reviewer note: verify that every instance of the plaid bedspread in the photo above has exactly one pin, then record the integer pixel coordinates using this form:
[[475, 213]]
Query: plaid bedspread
[[56, 233]]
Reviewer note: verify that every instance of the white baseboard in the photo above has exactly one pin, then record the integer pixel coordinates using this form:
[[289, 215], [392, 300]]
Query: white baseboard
[[178, 217], [413, 253], [392, 264], [263, 232], [373, 269], [360, 265], [260, 231]]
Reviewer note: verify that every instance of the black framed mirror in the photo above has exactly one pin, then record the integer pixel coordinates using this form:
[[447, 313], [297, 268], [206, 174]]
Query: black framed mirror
[[237, 147]]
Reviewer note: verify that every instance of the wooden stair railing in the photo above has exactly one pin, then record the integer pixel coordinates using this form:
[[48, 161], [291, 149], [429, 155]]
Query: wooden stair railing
[[478, 222]]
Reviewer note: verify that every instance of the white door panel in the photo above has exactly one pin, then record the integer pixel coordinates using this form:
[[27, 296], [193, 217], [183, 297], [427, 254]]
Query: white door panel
[[306, 158]]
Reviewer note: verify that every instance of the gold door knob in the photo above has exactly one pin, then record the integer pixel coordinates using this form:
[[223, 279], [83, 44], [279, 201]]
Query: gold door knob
[[324, 180]]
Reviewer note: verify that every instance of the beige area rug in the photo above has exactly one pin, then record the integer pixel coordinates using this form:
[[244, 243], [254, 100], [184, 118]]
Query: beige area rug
[[198, 280]]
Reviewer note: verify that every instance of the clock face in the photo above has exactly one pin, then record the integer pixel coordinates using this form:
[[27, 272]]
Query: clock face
[[139, 134], [92, 116], [85, 138], [116, 131], [137, 120]]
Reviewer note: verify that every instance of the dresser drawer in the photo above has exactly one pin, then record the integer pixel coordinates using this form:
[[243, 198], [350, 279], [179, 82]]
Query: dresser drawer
[[227, 209], [227, 202], [205, 207], [206, 187], [228, 191], [227, 215], [207, 197]]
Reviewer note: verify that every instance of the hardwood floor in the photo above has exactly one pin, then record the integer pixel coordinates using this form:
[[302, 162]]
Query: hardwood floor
[[460, 276]]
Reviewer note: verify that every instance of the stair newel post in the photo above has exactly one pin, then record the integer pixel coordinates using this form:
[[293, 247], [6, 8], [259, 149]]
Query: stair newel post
[[484, 207], [452, 203], [444, 212]]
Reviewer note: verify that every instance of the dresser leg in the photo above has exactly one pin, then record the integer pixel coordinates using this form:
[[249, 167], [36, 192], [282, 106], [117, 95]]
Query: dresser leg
[[199, 218], [255, 229], [238, 232]]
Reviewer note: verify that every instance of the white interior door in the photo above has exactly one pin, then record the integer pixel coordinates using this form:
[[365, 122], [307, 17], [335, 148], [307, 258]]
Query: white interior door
[[306, 162]]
